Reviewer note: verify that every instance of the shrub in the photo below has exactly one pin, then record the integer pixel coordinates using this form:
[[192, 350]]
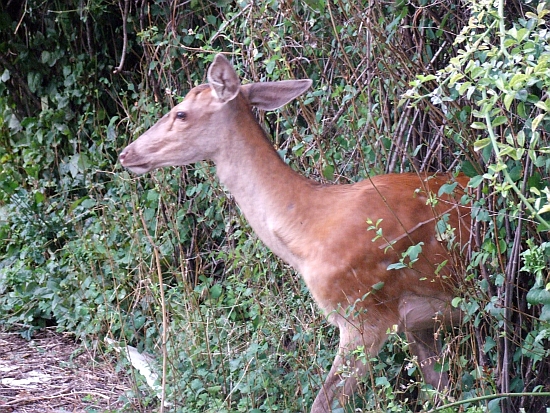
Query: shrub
[[398, 86]]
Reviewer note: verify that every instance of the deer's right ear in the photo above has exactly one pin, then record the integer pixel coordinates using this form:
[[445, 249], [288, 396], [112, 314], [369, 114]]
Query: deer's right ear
[[223, 79], [273, 95]]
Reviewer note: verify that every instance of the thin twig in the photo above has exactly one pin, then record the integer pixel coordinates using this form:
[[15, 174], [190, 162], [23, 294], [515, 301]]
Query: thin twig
[[163, 307], [21, 19], [19, 401], [118, 69]]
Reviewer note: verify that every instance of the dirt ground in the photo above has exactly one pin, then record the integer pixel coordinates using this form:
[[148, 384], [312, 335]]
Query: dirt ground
[[52, 373]]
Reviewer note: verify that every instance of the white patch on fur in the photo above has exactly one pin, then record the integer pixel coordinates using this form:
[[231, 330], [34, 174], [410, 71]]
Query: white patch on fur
[[213, 91]]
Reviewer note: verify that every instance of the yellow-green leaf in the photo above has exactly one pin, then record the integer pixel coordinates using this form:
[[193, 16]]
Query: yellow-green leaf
[[517, 80], [543, 105], [463, 87], [455, 78], [507, 150], [520, 137], [478, 125], [481, 143], [537, 120], [508, 99]]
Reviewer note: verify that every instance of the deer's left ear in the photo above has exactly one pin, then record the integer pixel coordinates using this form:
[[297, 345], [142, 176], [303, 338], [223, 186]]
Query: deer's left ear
[[223, 79]]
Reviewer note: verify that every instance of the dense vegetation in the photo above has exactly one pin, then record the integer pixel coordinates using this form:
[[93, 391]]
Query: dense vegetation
[[398, 86]]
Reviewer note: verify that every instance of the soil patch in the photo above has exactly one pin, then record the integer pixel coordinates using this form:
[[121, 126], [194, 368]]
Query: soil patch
[[52, 373]]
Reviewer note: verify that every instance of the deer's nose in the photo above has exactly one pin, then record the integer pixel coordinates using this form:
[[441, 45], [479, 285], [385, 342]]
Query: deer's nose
[[122, 156]]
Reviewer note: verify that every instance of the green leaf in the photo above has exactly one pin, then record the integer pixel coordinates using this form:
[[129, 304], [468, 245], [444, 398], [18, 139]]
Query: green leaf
[[39, 197], [522, 95], [478, 125], [270, 66], [499, 120], [522, 34], [516, 172], [538, 296], [481, 143], [77, 203], [45, 57], [455, 78], [508, 99], [328, 172], [414, 251], [477, 71], [215, 291], [537, 121], [468, 169], [507, 150], [518, 80], [520, 138], [464, 87], [475, 181], [396, 266], [378, 286], [425, 78], [447, 188], [382, 381], [494, 405], [544, 105]]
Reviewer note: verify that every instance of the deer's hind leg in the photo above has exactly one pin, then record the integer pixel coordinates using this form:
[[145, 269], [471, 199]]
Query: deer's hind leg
[[348, 367], [421, 318], [427, 349]]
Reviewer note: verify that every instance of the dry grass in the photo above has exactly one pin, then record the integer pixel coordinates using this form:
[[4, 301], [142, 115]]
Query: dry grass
[[52, 373]]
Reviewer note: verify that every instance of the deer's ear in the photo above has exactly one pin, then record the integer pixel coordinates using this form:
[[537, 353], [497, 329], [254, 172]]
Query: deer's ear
[[273, 95], [223, 79]]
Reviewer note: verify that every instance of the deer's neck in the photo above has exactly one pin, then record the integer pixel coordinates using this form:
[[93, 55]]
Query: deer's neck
[[269, 193]]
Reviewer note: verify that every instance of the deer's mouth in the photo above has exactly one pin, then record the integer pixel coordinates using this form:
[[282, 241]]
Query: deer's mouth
[[133, 165], [138, 169]]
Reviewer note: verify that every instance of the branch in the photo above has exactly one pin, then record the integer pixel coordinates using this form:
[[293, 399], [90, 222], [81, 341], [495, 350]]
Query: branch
[[118, 69]]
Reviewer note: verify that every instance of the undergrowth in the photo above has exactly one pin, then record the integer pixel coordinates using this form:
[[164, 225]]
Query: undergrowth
[[398, 86]]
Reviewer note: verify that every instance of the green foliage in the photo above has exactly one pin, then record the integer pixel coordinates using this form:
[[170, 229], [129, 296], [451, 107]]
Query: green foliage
[[500, 78], [398, 86]]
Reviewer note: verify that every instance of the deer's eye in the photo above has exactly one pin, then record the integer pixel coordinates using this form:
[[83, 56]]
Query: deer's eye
[[181, 115]]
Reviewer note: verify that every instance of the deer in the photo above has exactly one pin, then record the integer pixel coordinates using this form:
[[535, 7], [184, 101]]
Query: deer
[[351, 243]]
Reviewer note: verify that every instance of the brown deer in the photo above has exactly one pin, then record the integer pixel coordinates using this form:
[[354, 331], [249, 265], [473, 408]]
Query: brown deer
[[340, 238]]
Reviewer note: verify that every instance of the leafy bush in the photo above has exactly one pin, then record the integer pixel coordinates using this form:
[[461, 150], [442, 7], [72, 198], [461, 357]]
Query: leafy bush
[[500, 78]]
